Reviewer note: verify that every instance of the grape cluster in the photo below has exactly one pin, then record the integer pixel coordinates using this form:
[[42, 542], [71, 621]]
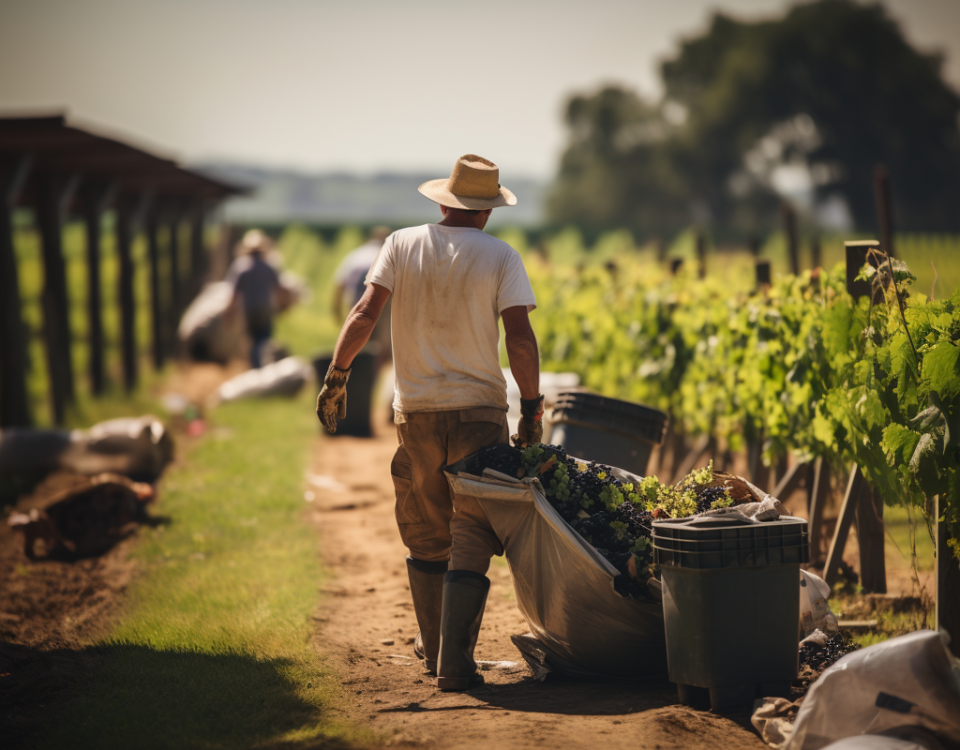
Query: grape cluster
[[712, 497], [499, 459], [612, 515], [819, 657]]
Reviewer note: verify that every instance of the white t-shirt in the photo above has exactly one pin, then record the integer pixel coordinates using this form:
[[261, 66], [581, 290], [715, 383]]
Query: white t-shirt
[[449, 286]]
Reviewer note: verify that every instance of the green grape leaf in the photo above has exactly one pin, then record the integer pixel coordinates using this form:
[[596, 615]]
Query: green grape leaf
[[898, 442], [941, 369]]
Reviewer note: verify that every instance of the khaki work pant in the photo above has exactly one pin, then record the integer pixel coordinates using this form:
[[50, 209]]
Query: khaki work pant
[[436, 525]]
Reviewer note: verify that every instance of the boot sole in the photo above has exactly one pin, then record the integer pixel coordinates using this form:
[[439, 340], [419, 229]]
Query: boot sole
[[459, 684]]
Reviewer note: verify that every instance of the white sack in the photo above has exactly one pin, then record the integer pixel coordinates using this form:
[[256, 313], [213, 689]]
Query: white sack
[[207, 327], [283, 378], [579, 624], [906, 681], [133, 446], [815, 612]]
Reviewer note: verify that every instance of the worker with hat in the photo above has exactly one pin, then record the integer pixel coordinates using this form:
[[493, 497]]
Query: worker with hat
[[256, 286], [450, 284]]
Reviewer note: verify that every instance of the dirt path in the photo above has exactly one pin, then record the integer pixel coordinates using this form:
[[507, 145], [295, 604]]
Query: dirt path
[[366, 625]]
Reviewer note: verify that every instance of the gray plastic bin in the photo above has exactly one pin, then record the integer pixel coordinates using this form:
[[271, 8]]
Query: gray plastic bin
[[607, 430], [363, 379], [731, 607]]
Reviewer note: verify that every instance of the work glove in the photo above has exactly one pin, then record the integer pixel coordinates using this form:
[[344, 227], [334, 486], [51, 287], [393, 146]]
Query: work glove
[[530, 428], [332, 401]]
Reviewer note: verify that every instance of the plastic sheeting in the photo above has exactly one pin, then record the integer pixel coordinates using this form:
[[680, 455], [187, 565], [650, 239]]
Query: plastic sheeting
[[578, 623], [904, 682]]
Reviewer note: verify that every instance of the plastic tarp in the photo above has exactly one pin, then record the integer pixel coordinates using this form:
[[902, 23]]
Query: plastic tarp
[[579, 625], [909, 681]]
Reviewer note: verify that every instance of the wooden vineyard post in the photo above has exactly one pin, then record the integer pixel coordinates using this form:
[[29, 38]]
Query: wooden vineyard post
[[819, 492], [856, 256], [793, 247], [861, 501], [816, 253], [14, 404], [701, 255], [848, 509], [789, 481], [947, 585], [198, 257], [881, 192], [156, 301], [53, 196], [94, 202], [763, 273], [126, 222]]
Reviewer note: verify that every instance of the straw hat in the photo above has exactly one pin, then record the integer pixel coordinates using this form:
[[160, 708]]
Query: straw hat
[[255, 241], [474, 184]]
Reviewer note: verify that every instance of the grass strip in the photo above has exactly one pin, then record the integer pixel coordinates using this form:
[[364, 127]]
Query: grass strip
[[214, 649]]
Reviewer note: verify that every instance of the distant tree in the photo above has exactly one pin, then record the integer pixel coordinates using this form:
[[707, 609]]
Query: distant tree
[[833, 86]]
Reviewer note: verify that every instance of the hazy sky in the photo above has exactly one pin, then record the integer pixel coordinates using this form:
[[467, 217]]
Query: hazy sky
[[363, 85]]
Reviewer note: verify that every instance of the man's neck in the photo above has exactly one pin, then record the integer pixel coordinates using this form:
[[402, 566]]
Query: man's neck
[[449, 221]]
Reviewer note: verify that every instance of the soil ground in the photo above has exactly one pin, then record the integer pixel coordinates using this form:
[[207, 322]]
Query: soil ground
[[367, 625]]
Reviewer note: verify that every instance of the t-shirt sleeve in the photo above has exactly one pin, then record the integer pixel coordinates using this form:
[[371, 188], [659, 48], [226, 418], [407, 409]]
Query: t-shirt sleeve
[[515, 289], [383, 271]]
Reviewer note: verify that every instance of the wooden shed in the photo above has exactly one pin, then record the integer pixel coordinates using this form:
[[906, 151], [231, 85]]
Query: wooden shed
[[59, 172]]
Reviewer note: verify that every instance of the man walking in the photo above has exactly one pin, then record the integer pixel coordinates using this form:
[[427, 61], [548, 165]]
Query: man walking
[[450, 283]]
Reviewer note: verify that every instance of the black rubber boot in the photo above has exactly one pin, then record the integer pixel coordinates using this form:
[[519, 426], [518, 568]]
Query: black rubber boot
[[464, 597], [426, 588]]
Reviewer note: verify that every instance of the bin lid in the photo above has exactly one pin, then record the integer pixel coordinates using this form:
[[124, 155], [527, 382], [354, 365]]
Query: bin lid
[[610, 414], [716, 542]]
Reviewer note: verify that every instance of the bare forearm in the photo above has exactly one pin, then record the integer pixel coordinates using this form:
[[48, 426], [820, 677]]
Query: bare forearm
[[353, 337], [360, 322], [525, 364]]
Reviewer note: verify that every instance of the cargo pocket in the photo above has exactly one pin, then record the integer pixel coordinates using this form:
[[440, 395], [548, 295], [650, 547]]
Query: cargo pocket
[[407, 507], [480, 427]]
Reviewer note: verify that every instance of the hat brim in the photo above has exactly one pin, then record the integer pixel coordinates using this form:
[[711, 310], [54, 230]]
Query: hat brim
[[436, 190]]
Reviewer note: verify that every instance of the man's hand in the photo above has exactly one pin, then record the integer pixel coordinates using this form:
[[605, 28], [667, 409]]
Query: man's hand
[[332, 401], [530, 428]]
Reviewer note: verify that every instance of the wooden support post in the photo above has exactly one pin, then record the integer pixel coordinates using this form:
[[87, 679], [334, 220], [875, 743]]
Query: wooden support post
[[14, 404], [831, 570], [55, 302], [95, 200], [176, 296], [763, 273], [759, 474], [816, 253], [125, 292], [873, 571], [198, 255], [694, 457], [661, 248], [701, 255], [817, 497], [793, 245], [156, 302], [881, 192], [790, 481], [678, 451], [948, 585], [856, 256]]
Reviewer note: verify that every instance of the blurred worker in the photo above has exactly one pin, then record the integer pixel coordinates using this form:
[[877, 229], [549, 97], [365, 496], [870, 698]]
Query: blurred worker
[[350, 284], [256, 286], [451, 283]]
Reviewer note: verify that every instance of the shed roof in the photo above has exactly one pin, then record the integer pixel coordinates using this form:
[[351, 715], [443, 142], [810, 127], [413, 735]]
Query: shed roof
[[52, 147]]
